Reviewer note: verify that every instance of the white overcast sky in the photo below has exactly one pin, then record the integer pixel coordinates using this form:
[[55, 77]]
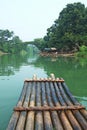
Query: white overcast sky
[[29, 19]]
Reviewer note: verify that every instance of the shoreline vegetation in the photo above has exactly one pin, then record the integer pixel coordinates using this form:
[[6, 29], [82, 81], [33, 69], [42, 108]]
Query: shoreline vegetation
[[82, 52], [68, 35], [56, 54], [2, 53]]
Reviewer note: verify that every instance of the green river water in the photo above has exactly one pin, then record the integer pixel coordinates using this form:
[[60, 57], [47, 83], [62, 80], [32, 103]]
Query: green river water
[[14, 69]]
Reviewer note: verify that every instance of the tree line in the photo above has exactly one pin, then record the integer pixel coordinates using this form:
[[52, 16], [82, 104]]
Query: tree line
[[69, 32], [9, 43]]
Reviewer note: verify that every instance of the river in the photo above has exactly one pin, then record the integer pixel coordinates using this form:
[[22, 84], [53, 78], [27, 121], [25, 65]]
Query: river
[[14, 69]]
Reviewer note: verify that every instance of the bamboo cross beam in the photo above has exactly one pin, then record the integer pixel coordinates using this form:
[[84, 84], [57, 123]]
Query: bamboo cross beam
[[44, 80], [42, 108]]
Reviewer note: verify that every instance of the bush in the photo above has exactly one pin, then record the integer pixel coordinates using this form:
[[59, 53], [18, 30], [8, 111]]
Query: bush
[[83, 48], [82, 51]]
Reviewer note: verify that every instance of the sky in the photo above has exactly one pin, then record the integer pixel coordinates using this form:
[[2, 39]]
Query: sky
[[29, 19]]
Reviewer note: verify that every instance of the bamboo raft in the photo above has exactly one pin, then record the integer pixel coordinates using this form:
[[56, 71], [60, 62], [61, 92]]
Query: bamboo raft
[[47, 104]]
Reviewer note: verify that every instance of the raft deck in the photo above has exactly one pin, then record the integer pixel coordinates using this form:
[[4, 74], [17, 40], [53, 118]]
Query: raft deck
[[47, 104]]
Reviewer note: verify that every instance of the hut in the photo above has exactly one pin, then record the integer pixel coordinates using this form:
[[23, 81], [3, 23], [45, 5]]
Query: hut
[[52, 49]]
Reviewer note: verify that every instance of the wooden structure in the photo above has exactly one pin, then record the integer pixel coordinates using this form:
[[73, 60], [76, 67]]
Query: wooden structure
[[47, 104], [52, 49]]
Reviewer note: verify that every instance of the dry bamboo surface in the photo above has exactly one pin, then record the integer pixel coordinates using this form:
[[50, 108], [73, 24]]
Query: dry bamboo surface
[[47, 104], [48, 108]]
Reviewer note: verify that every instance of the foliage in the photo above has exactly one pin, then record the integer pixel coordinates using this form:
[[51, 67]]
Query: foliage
[[23, 52], [9, 43], [40, 43], [83, 48], [69, 31], [82, 51]]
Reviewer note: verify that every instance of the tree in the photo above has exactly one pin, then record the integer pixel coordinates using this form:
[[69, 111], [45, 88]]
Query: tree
[[5, 36], [10, 43], [39, 43], [69, 31]]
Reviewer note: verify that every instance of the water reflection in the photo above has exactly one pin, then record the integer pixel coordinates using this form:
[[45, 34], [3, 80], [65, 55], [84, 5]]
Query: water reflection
[[15, 68], [71, 69], [11, 63]]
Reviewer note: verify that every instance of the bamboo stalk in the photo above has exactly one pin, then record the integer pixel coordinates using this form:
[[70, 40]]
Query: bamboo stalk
[[21, 121], [31, 114], [47, 119], [56, 121], [39, 116], [47, 108], [84, 113], [68, 113], [74, 101], [13, 121], [61, 114], [77, 114]]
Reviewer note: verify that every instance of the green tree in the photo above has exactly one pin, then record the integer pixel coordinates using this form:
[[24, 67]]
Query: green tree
[[69, 31], [5, 36], [39, 43], [10, 43]]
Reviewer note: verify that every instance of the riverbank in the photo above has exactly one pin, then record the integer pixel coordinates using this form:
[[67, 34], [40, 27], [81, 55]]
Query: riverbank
[[2, 53], [53, 54]]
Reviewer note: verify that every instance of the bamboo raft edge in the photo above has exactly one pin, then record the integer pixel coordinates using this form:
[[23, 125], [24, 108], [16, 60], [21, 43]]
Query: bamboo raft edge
[[47, 104]]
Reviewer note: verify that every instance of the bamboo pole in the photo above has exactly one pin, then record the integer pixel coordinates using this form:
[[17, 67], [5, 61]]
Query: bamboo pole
[[13, 121], [84, 113], [77, 114], [56, 100], [56, 121], [23, 114], [31, 114], [48, 108], [39, 116], [68, 113], [61, 114], [74, 101], [47, 119]]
